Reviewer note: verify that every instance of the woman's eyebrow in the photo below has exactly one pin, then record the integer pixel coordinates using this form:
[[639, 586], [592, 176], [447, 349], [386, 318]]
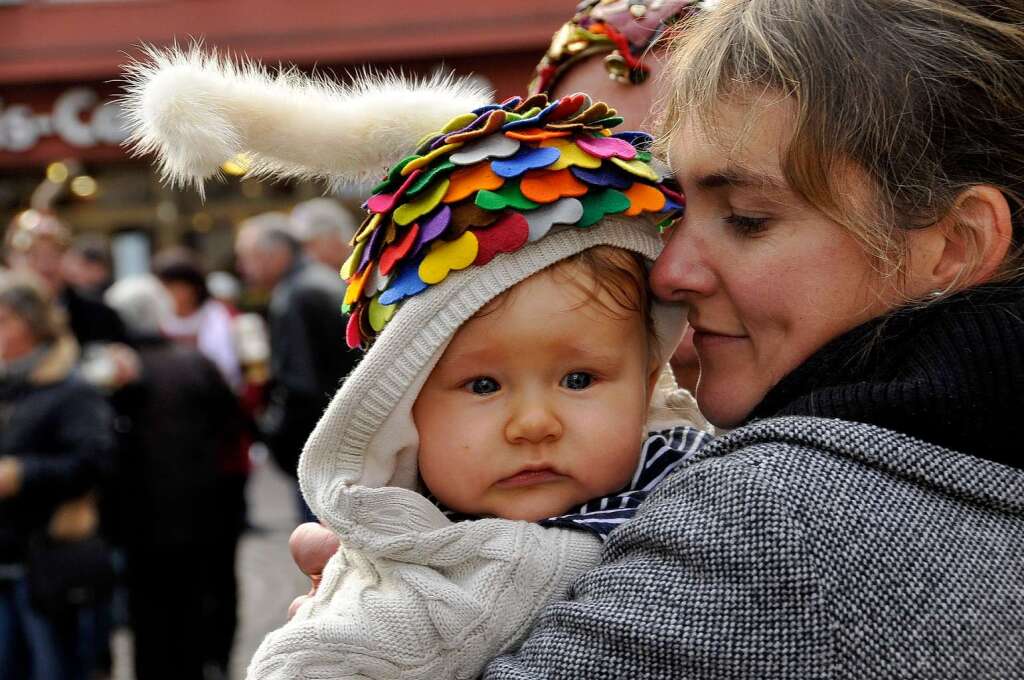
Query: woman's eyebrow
[[736, 176]]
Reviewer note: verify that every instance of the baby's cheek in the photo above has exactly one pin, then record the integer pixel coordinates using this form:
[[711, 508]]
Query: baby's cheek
[[611, 451]]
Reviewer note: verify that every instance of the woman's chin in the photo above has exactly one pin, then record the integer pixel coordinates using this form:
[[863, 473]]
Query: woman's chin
[[722, 406]]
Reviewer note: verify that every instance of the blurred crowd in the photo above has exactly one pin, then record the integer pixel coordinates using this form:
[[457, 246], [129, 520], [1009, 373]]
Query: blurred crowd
[[128, 412]]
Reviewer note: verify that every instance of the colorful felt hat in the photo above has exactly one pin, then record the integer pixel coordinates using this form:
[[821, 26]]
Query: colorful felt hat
[[623, 29], [501, 192], [492, 181]]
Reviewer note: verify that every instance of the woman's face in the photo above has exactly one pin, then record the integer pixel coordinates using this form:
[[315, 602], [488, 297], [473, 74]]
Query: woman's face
[[16, 339], [769, 279]]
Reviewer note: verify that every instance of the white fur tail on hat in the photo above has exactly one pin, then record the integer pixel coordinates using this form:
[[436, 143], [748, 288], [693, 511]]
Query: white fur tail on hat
[[196, 109]]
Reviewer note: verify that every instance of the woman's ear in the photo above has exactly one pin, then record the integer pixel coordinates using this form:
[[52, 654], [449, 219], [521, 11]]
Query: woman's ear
[[975, 238]]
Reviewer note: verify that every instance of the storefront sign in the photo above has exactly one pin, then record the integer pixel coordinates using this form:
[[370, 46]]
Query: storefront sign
[[78, 117]]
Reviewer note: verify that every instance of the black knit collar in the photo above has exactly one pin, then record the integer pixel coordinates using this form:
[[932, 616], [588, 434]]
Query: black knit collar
[[950, 373]]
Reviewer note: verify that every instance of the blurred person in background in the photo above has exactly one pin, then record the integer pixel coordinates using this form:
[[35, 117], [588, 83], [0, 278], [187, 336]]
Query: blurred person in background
[[308, 358], [56, 443], [178, 527], [224, 288], [325, 228], [198, 319], [37, 242], [87, 266]]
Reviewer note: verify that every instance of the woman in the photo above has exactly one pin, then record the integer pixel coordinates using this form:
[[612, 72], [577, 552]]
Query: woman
[[850, 255], [198, 320], [55, 443]]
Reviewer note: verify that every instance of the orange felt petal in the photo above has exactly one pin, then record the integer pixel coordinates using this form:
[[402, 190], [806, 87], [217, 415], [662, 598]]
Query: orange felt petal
[[546, 186], [536, 134], [644, 198], [466, 181]]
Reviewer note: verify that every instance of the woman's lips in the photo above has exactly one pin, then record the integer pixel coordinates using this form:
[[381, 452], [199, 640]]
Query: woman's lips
[[707, 339], [529, 478]]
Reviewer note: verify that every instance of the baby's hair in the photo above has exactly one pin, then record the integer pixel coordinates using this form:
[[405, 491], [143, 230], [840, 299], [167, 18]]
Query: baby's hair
[[620, 274], [925, 97]]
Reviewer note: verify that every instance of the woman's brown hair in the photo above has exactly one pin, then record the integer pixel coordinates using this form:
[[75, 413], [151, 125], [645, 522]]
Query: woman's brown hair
[[926, 97]]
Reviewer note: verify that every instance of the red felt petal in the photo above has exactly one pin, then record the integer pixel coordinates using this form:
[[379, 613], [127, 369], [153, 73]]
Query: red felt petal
[[353, 338], [506, 235], [394, 253]]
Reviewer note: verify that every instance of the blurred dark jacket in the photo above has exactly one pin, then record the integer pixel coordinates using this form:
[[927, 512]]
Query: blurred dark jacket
[[59, 428], [308, 357], [91, 321], [173, 425]]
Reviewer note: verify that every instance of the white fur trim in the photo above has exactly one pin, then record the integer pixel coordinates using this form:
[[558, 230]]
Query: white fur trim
[[196, 109]]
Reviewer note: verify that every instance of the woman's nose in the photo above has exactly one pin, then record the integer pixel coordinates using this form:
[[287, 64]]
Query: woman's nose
[[533, 421], [682, 271]]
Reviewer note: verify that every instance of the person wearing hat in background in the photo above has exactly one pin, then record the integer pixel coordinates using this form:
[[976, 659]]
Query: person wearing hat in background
[[325, 228], [307, 355], [56, 442]]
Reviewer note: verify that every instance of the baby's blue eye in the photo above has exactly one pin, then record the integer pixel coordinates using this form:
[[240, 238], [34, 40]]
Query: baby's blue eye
[[483, 385], [577, 380]]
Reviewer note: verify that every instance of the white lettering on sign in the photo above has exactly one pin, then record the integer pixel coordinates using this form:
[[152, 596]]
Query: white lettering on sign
[[79, 118]]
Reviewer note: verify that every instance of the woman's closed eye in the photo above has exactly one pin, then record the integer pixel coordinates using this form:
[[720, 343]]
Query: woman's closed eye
[[577, 380], [745, 225], [482, 385]]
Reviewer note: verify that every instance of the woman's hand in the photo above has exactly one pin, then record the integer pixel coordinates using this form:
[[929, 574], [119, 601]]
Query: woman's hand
[[10, 477], [312, 545]]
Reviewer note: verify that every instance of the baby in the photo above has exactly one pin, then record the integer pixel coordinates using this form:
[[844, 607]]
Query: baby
[[501, 283]]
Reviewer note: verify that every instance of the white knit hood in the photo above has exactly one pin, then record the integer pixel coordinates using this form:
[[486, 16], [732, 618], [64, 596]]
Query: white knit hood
[[366, 439]]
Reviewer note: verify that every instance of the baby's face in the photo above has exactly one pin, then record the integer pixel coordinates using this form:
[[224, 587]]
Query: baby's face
[[537, 405]]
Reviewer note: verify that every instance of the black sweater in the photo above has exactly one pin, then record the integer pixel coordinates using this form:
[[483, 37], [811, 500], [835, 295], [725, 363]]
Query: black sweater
[[950, 373]]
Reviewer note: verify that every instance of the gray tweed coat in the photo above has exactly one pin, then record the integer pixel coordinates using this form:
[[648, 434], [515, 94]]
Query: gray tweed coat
[[802, 548]]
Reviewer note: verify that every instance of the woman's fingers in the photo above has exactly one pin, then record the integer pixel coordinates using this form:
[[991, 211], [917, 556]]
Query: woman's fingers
[[312, 545], [294, 606]]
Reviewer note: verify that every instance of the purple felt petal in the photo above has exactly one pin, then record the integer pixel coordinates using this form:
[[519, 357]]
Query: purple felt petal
[[371, 249], [432, 228], [472, 126], [604, 176]]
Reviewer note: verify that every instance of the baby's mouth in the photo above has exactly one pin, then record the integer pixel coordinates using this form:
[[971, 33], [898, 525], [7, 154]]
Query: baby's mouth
[[530, 477]]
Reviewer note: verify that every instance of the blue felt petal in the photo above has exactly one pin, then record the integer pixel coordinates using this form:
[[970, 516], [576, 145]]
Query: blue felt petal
[[641, 140], [527, 158], [532, 121], [405, 285]]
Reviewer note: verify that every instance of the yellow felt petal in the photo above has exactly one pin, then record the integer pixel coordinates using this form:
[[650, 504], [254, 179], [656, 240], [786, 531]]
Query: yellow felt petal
[[571, 155], [348, 269], [423, 161], [409, 212], [459, 122], [365, 232], [380, 314], [446, 256], [637, 168]]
